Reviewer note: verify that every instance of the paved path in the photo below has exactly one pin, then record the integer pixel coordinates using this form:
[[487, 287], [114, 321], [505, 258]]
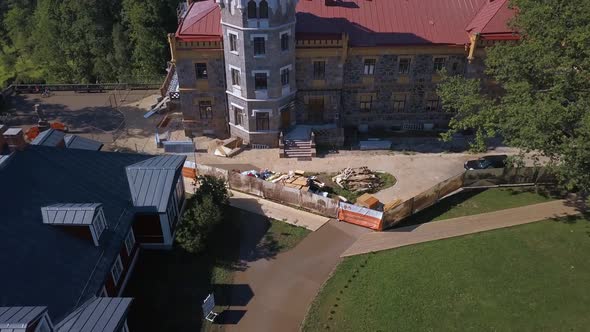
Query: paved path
[[459, 226], [274, 294], [277, 211]]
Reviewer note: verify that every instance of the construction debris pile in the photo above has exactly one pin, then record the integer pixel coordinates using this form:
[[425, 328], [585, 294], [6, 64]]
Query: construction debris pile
[[358, 180], [293, 179]]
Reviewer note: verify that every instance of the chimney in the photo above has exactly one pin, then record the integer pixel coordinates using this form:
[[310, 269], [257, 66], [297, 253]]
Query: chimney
[[15, 139]]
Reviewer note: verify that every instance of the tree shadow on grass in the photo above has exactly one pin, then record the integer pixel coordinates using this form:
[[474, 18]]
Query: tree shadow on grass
[[170, 286]]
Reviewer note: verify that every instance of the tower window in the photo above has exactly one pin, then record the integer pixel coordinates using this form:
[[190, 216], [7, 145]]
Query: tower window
[[235, 77], [263, 9], [233, 42], [260, 81], [239, 116], [201, 69], [262, 121], [285, 42], [285, 76], [259, 46], [252, 9], [319, 70], [370, 66]]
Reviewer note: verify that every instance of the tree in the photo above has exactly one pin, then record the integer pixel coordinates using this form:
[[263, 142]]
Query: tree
[[545, 81], [198, 222], [204, 212]]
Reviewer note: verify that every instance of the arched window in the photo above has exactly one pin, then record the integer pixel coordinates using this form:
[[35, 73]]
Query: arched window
[[251, 9], [263, 9]]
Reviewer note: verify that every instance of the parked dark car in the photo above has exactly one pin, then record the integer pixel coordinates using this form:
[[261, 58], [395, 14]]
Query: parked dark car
[[496, 161]]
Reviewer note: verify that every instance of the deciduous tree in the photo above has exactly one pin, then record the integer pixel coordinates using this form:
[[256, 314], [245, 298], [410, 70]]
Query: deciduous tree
[[545, 78]]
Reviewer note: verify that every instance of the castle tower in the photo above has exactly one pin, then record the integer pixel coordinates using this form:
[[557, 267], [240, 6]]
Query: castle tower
[[259, 52]]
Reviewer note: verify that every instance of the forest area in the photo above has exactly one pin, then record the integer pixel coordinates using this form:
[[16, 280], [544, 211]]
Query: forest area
[[85, 41]]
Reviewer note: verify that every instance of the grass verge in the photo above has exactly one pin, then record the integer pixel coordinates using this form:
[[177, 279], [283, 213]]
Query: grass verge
[[526, 278], [479, 201], [169, 286]]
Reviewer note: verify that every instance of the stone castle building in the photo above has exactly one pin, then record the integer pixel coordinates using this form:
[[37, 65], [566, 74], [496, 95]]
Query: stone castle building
[[258, 68]]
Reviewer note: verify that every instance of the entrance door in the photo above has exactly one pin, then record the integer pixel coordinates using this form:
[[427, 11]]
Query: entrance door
[[285, 118], [316, 109]]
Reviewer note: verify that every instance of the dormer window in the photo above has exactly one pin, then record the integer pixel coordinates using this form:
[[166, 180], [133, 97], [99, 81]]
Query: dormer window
[[83, 219]]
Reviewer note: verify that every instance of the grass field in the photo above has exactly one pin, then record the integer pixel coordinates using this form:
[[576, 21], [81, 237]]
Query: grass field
[[533, 277], [479, 201], [169, 286]]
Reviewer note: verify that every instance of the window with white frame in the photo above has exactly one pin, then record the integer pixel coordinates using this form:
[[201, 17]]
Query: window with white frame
[[260, 81], [130, 241], [235, 77], [117, 270], [99, 224], [259, 46], [262, 121], [238, 116], [285, 76], [284, 41], [233, 42]]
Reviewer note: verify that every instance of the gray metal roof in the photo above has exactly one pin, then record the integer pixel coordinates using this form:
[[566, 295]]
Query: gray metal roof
[[19, 317], [70, 214], [103, 314], [151, 181], [49, 137], [44, 265], [179, 146], [78, 142], [4, 158], [12, 131]]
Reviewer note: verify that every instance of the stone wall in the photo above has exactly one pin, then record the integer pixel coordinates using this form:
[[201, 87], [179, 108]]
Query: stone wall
[[194, 90]]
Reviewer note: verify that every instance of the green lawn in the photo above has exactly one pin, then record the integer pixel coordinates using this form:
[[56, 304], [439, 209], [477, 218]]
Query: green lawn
[[533, 277], [169, 286], [387, 180], [479, 201]]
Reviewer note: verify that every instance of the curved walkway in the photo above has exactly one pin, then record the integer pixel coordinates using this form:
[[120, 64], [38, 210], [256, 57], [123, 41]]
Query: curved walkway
[[443, 229], [274, 294]]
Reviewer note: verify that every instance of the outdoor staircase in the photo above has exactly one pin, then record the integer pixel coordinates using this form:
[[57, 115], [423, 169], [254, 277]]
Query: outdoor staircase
[[300, 149], [299, 142]]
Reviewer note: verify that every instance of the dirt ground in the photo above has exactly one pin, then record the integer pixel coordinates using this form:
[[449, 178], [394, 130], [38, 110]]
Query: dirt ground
[[116, 119], [414, 172]]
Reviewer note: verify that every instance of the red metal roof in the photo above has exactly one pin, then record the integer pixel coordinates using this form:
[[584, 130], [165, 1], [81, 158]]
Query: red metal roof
[[388, 22], [492, 18], [201, 23], [372, 22]]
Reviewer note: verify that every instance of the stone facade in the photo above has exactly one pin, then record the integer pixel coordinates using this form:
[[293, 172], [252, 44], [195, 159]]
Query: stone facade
[[362, 87], [245, 99], [197, 93]]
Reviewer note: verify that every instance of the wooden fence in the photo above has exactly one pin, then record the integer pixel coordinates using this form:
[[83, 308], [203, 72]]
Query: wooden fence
[[486, 178], [377, 220]]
